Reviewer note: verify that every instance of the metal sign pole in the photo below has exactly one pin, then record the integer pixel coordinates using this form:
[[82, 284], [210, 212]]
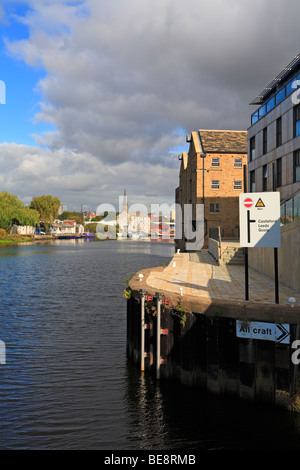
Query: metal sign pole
[[246, 275], [276, 275], [246, 249], [260, 228]]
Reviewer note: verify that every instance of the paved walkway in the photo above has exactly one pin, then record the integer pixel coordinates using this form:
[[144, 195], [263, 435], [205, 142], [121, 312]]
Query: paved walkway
[[199, 275]]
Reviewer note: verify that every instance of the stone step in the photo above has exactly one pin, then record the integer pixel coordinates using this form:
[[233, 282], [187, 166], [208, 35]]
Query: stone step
[[232, 255]]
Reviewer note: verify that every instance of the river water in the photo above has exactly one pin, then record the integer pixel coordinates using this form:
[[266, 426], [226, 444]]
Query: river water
[[66, 383]]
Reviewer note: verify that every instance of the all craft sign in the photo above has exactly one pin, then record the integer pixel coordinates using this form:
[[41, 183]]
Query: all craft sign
[[278, 332]]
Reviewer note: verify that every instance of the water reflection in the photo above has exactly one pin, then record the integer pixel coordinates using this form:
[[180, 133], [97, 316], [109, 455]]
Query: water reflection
[[145, 409], [66, 383], [167, 415], [63, 320]]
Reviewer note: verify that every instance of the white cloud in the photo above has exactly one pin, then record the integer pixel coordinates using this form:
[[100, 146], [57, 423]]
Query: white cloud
[[125, 80]]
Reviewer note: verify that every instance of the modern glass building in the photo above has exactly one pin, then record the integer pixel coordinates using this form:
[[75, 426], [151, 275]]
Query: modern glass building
[[274, 165], [274, 135]]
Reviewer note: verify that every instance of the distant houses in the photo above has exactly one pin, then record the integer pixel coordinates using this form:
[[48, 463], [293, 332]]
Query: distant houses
[[25, 230], [66, 227]]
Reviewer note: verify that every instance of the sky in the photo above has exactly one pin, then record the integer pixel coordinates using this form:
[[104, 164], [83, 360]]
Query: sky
[[100, 95]]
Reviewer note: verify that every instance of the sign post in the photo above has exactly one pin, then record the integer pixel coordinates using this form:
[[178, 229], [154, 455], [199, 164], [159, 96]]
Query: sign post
[[260, 227]]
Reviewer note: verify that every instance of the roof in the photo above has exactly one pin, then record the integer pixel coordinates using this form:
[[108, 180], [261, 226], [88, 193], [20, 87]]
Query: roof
[[219, 141], [279, 80]]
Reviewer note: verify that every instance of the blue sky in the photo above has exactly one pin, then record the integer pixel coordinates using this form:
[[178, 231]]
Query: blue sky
[[22, 94], [119, 84]]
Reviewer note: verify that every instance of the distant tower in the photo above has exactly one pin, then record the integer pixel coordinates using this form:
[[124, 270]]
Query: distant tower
[[123, 216], [124, 205]]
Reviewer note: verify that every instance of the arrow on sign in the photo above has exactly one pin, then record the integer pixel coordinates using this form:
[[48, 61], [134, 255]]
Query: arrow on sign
[[284, 333]]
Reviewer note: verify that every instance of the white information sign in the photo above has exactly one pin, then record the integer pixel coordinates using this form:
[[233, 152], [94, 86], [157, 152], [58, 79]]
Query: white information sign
[[260, 219], [278, 332]]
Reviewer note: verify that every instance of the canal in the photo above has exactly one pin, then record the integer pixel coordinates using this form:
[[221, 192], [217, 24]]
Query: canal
[[66, 383]]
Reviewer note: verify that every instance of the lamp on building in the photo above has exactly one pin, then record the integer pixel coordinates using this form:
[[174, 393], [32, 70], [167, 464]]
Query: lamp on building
[[292, 301]]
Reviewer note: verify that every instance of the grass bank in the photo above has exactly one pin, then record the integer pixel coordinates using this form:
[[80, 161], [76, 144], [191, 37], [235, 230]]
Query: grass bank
[[14, 239]]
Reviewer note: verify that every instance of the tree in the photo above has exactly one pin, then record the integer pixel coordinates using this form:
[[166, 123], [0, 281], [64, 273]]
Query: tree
[[12, 210], [71, 216], [47, 208]]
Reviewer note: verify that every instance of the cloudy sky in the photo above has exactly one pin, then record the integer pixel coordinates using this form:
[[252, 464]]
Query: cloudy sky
[[100, 94]]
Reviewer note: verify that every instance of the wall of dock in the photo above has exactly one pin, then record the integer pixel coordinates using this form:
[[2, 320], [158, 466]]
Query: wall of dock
[[262, 260], [203, 350]]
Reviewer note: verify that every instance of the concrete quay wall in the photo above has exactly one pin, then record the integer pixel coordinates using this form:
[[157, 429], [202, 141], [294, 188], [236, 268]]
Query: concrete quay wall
[[199, 346]]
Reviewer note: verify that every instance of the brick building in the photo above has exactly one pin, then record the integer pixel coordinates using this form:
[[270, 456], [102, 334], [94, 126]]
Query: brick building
[[211, 173]]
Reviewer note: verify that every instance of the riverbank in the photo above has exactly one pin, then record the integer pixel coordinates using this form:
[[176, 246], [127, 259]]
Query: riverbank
[[15, 239]]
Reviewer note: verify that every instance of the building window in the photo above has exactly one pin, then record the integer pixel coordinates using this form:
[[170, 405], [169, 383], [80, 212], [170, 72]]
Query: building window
[[278, 132], [265, 178], [265, 140], [296, 166], [215, 184], [238, 162], [215, 162], [278, 172], [297, 120], [252, 181], [252, 149], [280, 96], [237, 185], [214, 208]]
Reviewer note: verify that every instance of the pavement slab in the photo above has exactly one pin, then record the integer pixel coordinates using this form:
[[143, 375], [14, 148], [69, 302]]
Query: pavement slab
[[199, 275]]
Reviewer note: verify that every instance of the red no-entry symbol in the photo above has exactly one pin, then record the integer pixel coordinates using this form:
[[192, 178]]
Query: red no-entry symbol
[[248, 202]]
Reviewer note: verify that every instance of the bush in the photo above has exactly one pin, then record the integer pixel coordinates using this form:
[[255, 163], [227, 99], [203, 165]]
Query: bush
[[3, 233]]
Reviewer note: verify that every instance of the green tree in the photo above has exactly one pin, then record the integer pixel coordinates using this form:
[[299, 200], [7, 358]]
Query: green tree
[[47, 208], [92, 227], [66, 215], [12, 210]]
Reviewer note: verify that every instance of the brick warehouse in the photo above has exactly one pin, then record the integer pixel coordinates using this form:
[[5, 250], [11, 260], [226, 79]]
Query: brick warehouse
[[211, 173]]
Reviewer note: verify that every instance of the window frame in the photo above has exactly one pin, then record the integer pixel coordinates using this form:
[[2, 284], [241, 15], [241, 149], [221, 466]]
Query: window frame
[[265, 177], [240, 185], [296, 165], [215, 164], [252, 149], [296, 120], [265, 140], [235, 162], [214, 208], [217, 184], [278, 172], [279, 131], [252, 181]]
